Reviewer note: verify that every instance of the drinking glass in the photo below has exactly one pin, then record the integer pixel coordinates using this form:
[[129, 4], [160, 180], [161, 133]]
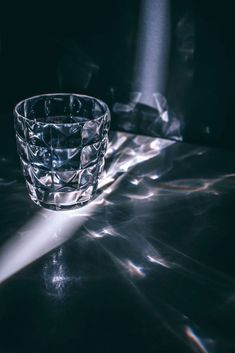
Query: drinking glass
[[61, 141]]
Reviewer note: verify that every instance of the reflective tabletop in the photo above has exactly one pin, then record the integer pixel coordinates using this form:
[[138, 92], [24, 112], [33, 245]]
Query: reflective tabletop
[[146, 266]]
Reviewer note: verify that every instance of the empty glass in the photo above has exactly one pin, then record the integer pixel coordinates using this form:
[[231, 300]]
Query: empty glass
[[61, 141]]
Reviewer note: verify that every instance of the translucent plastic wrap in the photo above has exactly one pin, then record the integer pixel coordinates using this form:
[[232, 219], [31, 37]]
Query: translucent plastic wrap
[[157, 100], [139, 118]]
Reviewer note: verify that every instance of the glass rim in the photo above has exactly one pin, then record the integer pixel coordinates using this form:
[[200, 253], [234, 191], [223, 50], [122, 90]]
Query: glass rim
[[99, 101]]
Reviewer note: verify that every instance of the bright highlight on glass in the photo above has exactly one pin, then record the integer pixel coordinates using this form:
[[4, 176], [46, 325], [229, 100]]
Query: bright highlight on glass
[[61, 141]]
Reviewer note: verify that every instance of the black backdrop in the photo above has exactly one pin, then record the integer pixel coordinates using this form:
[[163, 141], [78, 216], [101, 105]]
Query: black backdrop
[[89, 46]]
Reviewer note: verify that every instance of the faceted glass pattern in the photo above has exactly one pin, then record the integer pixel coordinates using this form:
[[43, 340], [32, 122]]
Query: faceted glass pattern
[[62, 140]]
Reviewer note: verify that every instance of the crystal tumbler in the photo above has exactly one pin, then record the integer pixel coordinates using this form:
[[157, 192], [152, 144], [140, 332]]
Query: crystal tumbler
[[61, 140]]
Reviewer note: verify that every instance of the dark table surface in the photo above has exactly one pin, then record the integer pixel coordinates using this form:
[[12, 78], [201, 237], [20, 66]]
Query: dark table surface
[[147, 266]]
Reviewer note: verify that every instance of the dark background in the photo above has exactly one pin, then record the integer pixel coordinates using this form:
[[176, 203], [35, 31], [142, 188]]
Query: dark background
[[88, 47]]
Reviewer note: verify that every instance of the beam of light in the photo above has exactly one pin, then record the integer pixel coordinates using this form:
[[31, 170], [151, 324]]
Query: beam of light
[[153, 42], [43, 233], [49, 229], [158, 260], [46, 231], [105, 232], [147, 195], [195, 340], [133, 269]]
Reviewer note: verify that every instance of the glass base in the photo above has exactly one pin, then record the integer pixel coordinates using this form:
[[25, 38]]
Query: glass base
[[61, 201], [56, 207]]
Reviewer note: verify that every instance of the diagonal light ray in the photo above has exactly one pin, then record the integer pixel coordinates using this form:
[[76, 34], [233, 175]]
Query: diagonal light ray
[[49, 229]]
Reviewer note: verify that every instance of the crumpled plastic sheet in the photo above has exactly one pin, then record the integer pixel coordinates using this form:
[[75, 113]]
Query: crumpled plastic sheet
[[139, 118], [153, 223], [168, 115]]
